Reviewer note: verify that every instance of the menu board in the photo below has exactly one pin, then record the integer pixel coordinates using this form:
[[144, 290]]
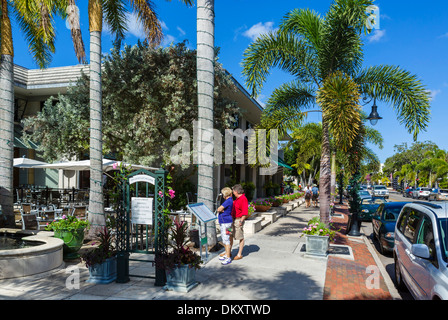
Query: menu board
[[202, 212], [141, 210]]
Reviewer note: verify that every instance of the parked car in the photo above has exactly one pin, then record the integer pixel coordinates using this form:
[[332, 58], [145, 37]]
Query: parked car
[[380, 191], [408, 192], [364, 194], [369, 207], [420, 250], [438, 194], [421, 193], [383, 224]]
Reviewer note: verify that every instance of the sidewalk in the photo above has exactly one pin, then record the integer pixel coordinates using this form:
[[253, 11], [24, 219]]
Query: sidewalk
[[274, 267]]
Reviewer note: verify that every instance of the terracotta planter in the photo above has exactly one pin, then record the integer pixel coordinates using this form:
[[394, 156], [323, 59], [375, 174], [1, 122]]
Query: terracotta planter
[[276, 204], [285, 200], [260, 208]]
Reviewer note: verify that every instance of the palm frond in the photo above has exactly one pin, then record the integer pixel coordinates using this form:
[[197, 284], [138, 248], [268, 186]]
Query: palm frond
[[278, 49], [148, 17], [409, 98], [339, 100]]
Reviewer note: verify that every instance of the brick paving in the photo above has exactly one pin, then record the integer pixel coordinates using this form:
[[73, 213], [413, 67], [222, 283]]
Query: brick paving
[[347, 279]]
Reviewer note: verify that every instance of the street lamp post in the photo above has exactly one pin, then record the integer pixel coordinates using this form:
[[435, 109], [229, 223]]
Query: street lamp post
[[374, 116], [341, 181]]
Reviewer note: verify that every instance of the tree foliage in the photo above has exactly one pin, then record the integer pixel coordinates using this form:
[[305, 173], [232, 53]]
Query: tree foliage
[[147, 93]]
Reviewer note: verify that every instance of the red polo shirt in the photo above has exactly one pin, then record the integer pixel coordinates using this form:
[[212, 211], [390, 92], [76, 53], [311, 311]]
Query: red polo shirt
[[240, 207]]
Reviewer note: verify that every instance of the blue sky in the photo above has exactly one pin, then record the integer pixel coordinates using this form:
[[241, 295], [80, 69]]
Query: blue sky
[[412, 34]]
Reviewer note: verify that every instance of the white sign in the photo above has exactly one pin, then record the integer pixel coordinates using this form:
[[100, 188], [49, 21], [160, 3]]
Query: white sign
[[141, 209], [142, 178]]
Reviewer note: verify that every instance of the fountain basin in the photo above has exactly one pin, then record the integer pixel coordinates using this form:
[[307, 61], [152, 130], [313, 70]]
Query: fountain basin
[[44, 256]]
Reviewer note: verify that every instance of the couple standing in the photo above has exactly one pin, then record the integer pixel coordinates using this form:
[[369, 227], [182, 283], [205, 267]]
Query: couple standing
[[232, 214]]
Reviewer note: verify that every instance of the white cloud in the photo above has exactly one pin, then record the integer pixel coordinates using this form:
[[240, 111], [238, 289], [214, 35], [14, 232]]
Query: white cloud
[[377, 35], [135, 27], [258, 29], [181, 32], [167, 40], [434, 93]]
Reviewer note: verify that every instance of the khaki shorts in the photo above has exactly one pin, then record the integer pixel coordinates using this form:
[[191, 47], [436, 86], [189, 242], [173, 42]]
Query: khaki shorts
[[238, 232]]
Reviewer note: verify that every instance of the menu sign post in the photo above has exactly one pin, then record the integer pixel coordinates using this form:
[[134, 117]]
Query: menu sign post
[[203, 215], [141, 209]]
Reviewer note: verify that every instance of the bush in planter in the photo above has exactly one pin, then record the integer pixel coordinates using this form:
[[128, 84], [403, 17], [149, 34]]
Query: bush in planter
[[101, 261], [70, 230], [317, 228], [276, 201], [249, 189], [251, 209], [179, 262]]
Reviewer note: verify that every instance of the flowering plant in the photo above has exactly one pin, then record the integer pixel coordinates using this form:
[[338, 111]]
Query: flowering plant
[[67, 223], [179, 254], [317, 228], [251, 209], [105, 249], [262, 202]]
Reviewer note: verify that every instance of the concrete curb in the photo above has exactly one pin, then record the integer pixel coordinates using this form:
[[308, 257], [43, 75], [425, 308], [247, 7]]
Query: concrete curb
[[387, 279]]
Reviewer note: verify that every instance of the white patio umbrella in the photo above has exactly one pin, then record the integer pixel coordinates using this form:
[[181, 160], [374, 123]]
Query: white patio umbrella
[[83, 165], [27, 163]]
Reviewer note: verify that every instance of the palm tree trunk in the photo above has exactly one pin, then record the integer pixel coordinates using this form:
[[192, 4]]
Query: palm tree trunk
[[96, 210], [205, 78], [325, 175], [6, 120], [333, 176]]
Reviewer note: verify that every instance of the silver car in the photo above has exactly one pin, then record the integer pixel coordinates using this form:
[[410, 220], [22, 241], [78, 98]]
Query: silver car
[[421, 248], [421, 193], [380, 191]]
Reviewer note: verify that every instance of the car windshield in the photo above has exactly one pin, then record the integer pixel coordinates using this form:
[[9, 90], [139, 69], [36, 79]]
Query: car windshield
[[443, 191], [380, 188], [392, 214], [364, 193], [425, 189], [443, 230], [373, 201]]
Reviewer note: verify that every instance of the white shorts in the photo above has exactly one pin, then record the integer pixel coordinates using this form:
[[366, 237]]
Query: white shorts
[[224, 236]]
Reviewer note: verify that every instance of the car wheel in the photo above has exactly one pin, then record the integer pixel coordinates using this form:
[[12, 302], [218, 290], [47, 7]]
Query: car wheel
[[398, 278]]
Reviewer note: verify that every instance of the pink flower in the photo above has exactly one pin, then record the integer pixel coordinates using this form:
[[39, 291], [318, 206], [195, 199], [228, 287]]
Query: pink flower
[[64, 217], [171, 192], [161, 194], [320, 230], [115, 166]]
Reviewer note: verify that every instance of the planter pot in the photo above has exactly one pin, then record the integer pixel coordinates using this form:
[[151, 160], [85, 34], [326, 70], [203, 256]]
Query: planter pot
[[73, 240], [276, 204], [260, 208], [285, 200], [105, 272], [181, 279], [317, 245]]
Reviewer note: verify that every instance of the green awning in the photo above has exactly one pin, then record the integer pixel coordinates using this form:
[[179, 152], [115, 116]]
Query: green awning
[[18, 141], [282, 163]]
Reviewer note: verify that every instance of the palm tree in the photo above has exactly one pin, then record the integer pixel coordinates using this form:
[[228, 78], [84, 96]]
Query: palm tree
[[325, 57], [35, 18], [114, 15], [205, 79]]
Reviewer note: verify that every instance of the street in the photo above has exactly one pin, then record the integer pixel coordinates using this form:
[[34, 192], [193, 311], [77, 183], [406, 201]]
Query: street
[[387, 260]]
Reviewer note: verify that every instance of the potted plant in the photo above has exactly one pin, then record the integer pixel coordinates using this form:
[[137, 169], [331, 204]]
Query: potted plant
[[249, 189], [268, 186], [285, 198], [70, 230], [318, 237], [179, 262], [276, 201], [102, 261], [251, 210], [262, 205]]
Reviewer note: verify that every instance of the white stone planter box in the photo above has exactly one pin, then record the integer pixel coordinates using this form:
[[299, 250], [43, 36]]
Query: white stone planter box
[[317, 245], [252, 225], [270, 216]]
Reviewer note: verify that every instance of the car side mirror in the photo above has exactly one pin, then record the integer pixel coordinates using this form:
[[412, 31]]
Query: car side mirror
[[421, 251]]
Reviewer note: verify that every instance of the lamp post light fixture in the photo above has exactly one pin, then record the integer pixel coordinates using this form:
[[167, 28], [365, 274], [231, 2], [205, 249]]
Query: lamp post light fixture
[[374, 116]]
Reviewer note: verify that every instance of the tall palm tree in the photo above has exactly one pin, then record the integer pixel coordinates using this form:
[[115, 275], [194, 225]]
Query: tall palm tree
[[114, 12], [35, 18], [205, 79], [325, 57]]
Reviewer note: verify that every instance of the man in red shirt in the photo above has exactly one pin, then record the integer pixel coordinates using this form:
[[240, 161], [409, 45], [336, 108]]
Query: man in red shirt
[[239, 213]]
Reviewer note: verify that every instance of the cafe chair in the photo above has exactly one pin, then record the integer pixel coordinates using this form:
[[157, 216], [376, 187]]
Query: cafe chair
[[30, 222]]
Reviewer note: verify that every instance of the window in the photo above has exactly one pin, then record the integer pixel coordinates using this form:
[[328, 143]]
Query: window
[[402, 221], [410, 228], [426, 236]]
